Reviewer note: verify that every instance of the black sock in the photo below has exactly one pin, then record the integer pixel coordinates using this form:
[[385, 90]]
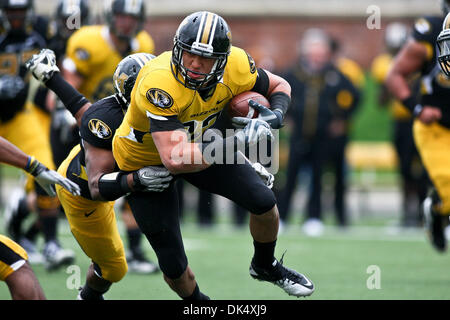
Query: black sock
[[196, 295], [264, 253], [87, 293], [49, 227], [18, 218], [134, 240], [33, 231], [22, 210]]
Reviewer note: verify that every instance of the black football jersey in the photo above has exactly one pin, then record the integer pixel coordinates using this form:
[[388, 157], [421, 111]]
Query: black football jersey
[[98, 125], [15, 50], [435, 86]]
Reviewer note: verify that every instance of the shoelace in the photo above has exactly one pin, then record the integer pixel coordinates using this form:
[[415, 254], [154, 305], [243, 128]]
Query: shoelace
[[287, 273]]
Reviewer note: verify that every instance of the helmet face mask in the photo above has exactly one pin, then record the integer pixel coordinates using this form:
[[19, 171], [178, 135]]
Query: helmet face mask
[[119, 14], [17, 16], [207, 35], [70, 15], [443, 42], [126, 73]]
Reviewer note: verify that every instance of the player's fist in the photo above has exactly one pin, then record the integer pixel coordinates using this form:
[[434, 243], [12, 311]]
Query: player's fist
[[43, 65], [254, 130], [152, 179], [430, 114], [274, 118]]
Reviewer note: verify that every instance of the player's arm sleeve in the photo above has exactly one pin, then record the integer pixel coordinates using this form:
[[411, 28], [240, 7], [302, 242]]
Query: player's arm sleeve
[[96, 130], [262, 82]]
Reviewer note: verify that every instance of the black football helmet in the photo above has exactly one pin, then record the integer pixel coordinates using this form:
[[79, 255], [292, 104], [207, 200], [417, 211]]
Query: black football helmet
[[126, 73], [395, 36], [67, 9], [8, 12], [205, 34], [135, 8], [443, 43]]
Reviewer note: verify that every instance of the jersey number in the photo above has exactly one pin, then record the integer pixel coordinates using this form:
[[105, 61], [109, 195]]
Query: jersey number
[[196, 128]]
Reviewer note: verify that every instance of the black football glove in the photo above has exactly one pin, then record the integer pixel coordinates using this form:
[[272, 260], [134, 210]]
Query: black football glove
[[274, 118]]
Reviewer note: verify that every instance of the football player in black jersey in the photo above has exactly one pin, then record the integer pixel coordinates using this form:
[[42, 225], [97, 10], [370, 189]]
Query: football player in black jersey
[[19, 123], [91, 165], [56, 120], [431, 110], [14, 267]]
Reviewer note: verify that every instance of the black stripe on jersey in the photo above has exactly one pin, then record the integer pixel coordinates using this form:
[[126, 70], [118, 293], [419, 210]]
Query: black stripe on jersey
[[172, 123], [8, 255], [262, 83]]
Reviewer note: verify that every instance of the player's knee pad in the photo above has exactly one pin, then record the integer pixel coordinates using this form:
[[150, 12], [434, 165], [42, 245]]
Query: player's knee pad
[[260, 199], [44, 201], [113, 272]]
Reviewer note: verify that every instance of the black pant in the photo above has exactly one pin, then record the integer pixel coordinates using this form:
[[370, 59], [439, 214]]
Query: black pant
[[336, 160], [415, 181], [157, 213], [311, 152], [206, 210]]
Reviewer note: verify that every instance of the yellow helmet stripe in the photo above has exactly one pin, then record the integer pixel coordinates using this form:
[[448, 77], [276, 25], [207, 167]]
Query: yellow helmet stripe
[[207, 29], [447, 22]]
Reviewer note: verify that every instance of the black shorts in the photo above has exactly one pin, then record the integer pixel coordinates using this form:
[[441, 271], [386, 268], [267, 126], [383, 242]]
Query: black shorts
[[157, 213]]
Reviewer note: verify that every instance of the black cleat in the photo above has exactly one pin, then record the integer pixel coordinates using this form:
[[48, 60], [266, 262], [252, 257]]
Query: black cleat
[[292, 282], [435, 225]]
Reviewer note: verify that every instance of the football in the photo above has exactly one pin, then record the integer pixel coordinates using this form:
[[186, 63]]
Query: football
[[238, 106]]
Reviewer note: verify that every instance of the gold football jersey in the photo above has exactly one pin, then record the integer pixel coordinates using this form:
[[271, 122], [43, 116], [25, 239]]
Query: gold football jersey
[[157, 93], [93, 55]]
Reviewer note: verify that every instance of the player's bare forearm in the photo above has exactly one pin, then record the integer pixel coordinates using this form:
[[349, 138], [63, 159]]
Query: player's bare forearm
[[408, 61], [12, 155], [98, 162], [277, 84], [177, 154]]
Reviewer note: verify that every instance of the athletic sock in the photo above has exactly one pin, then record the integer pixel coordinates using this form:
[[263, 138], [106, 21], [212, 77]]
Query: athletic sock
[[33, 231], [134, 240], [87, 293], [49, 227], [264, 253], [196, 295]]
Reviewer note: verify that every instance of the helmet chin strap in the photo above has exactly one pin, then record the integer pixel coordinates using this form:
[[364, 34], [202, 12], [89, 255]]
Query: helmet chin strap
[[207, 77]]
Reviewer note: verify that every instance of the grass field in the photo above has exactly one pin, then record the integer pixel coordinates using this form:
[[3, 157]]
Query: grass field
[[337, 263]]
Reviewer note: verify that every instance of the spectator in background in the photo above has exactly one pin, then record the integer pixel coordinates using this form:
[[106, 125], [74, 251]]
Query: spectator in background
[[319, 89], [342, 112], [413, 175]]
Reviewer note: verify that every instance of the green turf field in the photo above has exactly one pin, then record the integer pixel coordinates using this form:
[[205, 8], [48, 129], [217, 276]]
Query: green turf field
[[337, 263]]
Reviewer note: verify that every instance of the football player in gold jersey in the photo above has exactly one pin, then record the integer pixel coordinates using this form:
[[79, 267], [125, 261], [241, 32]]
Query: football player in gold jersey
[[431, 112], [14, 267], [177, 97], [92, 54], [414, 178]]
